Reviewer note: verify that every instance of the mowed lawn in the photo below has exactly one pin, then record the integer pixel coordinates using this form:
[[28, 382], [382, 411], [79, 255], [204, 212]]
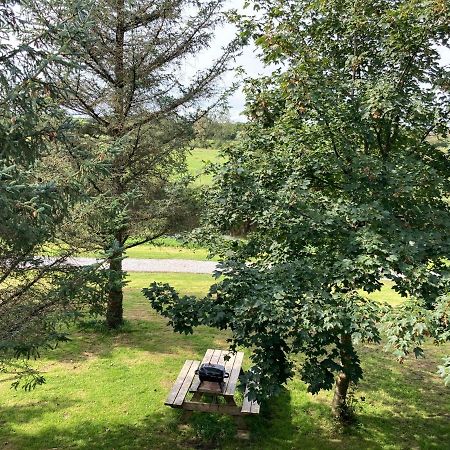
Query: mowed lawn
[[106, 391], [197, 159], [163, 248], [168, 248]]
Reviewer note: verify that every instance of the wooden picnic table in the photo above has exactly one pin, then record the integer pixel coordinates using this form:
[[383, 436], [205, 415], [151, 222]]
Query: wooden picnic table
[[188, 382]]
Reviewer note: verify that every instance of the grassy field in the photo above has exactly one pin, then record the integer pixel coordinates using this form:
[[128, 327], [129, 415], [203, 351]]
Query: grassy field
[[168, 248], [197, 159], [106, 391], [164, 248]]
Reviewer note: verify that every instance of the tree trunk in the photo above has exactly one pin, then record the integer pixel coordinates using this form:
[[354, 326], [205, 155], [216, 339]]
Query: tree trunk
[[114, 312], [339, 404]]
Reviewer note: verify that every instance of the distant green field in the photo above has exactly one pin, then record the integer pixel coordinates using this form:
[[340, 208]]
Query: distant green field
[[198, 159], [387, 295], [168, 248]]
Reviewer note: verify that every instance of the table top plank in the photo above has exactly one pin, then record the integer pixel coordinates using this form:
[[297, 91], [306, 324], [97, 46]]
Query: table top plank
[[184, 388], [208, 355], [234, 374], [195, 384], [179, 382], [249, 407], [221, 359], [216, 356], [228, 368]]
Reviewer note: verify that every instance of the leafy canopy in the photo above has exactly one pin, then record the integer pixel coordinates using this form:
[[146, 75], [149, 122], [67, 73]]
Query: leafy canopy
[[340, 189], [36, 296]]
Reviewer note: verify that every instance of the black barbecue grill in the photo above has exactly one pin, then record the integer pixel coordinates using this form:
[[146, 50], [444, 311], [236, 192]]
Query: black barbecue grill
[[212, 372]]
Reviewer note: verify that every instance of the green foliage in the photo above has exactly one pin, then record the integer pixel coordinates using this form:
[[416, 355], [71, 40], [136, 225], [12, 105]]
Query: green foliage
[[215, 132], [410, 324], [37, 296], [339, 189]]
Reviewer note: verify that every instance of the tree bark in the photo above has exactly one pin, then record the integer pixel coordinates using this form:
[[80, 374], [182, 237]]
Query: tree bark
[[114, 312], [339, 403]]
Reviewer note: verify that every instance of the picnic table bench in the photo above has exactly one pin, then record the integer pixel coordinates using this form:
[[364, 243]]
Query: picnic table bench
[[188, 381]]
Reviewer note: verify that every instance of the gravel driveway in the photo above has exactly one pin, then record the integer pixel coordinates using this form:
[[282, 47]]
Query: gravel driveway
[[154, 265]]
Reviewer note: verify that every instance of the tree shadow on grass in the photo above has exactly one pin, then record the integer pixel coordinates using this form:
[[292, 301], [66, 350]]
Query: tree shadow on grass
[[155, 431], [151, 336], [18, 415], [283, 424], [159, 430], [407, 400], [143, 330], [309, 425]]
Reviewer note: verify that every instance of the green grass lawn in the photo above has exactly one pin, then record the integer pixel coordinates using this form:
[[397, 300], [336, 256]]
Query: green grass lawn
[[168, 249], [106, 391], [164, 248], [386, 294], [197, 159]]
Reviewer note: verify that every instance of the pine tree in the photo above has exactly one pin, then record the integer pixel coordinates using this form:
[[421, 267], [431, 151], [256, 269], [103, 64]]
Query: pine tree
[[36, 295], [138, 105]]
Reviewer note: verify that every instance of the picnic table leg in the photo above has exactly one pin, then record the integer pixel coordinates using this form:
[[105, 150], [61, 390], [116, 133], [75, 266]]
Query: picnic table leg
[[187, 414], [242, 429], [230, 401], [185, 417]]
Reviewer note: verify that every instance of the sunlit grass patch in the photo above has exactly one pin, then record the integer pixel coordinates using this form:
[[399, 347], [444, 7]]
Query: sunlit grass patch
[[387, 294], [198, 159], [188, 283]]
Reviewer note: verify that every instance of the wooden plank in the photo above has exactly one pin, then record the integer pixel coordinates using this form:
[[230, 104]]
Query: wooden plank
[[186, 384], [215, 357], [234, 375], [212, 407], [249, 407], [207, 358], [228, 367], [210, 387], [195, 384], [178, 383], [256, 407], [221, 359]]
